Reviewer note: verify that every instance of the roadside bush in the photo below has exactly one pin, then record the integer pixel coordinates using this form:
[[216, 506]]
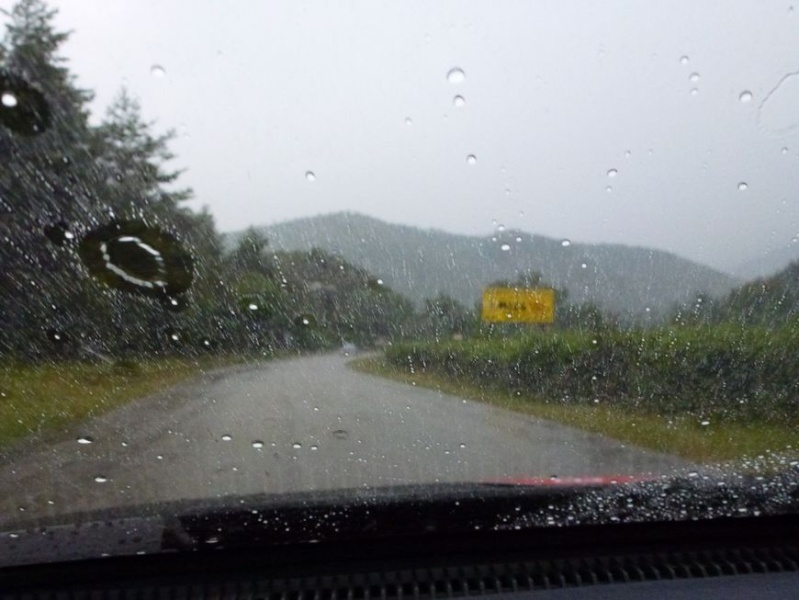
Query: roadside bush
[[725, 372]]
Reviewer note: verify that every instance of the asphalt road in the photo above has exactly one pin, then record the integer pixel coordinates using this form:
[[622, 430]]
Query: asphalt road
[[296, 424]]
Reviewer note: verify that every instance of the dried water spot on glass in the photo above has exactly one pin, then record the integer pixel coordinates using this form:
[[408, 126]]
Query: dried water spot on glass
[[134, 257], [23, 108]]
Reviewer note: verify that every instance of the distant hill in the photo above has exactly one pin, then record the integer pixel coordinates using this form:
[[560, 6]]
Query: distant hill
[[771, 301], [766, 265], [422, 263]]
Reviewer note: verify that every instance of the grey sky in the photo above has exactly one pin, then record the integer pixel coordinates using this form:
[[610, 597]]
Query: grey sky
[[557, 94]]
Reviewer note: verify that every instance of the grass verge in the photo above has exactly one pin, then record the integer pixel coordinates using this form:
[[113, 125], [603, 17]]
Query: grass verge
[[38, 398], [678, 436]]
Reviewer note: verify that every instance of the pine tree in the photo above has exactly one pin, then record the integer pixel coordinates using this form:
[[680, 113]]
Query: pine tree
[[131, 159]]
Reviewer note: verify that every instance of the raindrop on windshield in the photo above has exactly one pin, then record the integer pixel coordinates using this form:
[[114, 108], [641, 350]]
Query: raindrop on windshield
[[314, 447], [471, 159], [609, 189], [505, 247], [85, 440], [745, 97], [694, 92], [456, 75], [227, 437], [23, 108], [58, 233], [252, 306], [694, 77], [134, 257], [158, 71], [518, 239], [743, 186], [310, 175], [101, 479], [684, 60], [612, 173], [784, 150], [296, 445], [458, 102], [257, 444], [777, 114], [565, 243], [408, 121]]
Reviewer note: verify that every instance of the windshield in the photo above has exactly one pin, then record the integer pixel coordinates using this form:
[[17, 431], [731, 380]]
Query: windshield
[[285, 248]]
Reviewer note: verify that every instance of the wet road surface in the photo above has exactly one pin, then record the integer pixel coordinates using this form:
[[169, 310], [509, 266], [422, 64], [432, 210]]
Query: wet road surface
[[296, 424]]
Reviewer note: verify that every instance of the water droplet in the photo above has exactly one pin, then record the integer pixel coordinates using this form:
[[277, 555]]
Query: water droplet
[[341, 434], [612, 173], [158, 71], [784, 150], [9, 100], [743, 186], [505, 247], [565, 243], [583, 266], [518, 240], [257, 444], [745, 97], [693, 77], [408, 121], [704, 423], [459, 102], [694, 92], [778, 110], [227, 437], [609, 189], [628, 154], [305, 321], [310, 175], [379, 282], [684, 60], [252, 306], [456, 75], [85, 440], [101, 479], [471, 159], [296, 445], [461, 445], [314, 447]]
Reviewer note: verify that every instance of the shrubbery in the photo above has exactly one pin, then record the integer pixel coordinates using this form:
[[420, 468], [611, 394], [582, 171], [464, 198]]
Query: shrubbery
[[721, 372]]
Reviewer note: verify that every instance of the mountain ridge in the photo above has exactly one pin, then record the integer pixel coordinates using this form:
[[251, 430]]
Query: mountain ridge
[[633, 281]]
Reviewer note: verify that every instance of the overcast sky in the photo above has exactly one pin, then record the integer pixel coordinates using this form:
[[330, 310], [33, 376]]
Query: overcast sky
[[557, 95]]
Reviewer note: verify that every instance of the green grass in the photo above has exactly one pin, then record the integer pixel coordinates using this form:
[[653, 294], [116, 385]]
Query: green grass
[[681, 436], [41, 398]]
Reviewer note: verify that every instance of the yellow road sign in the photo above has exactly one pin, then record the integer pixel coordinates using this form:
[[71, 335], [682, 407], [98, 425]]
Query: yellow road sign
[[518, 305]]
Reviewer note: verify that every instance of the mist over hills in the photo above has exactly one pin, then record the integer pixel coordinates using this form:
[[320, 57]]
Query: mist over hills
[[631, 281]]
